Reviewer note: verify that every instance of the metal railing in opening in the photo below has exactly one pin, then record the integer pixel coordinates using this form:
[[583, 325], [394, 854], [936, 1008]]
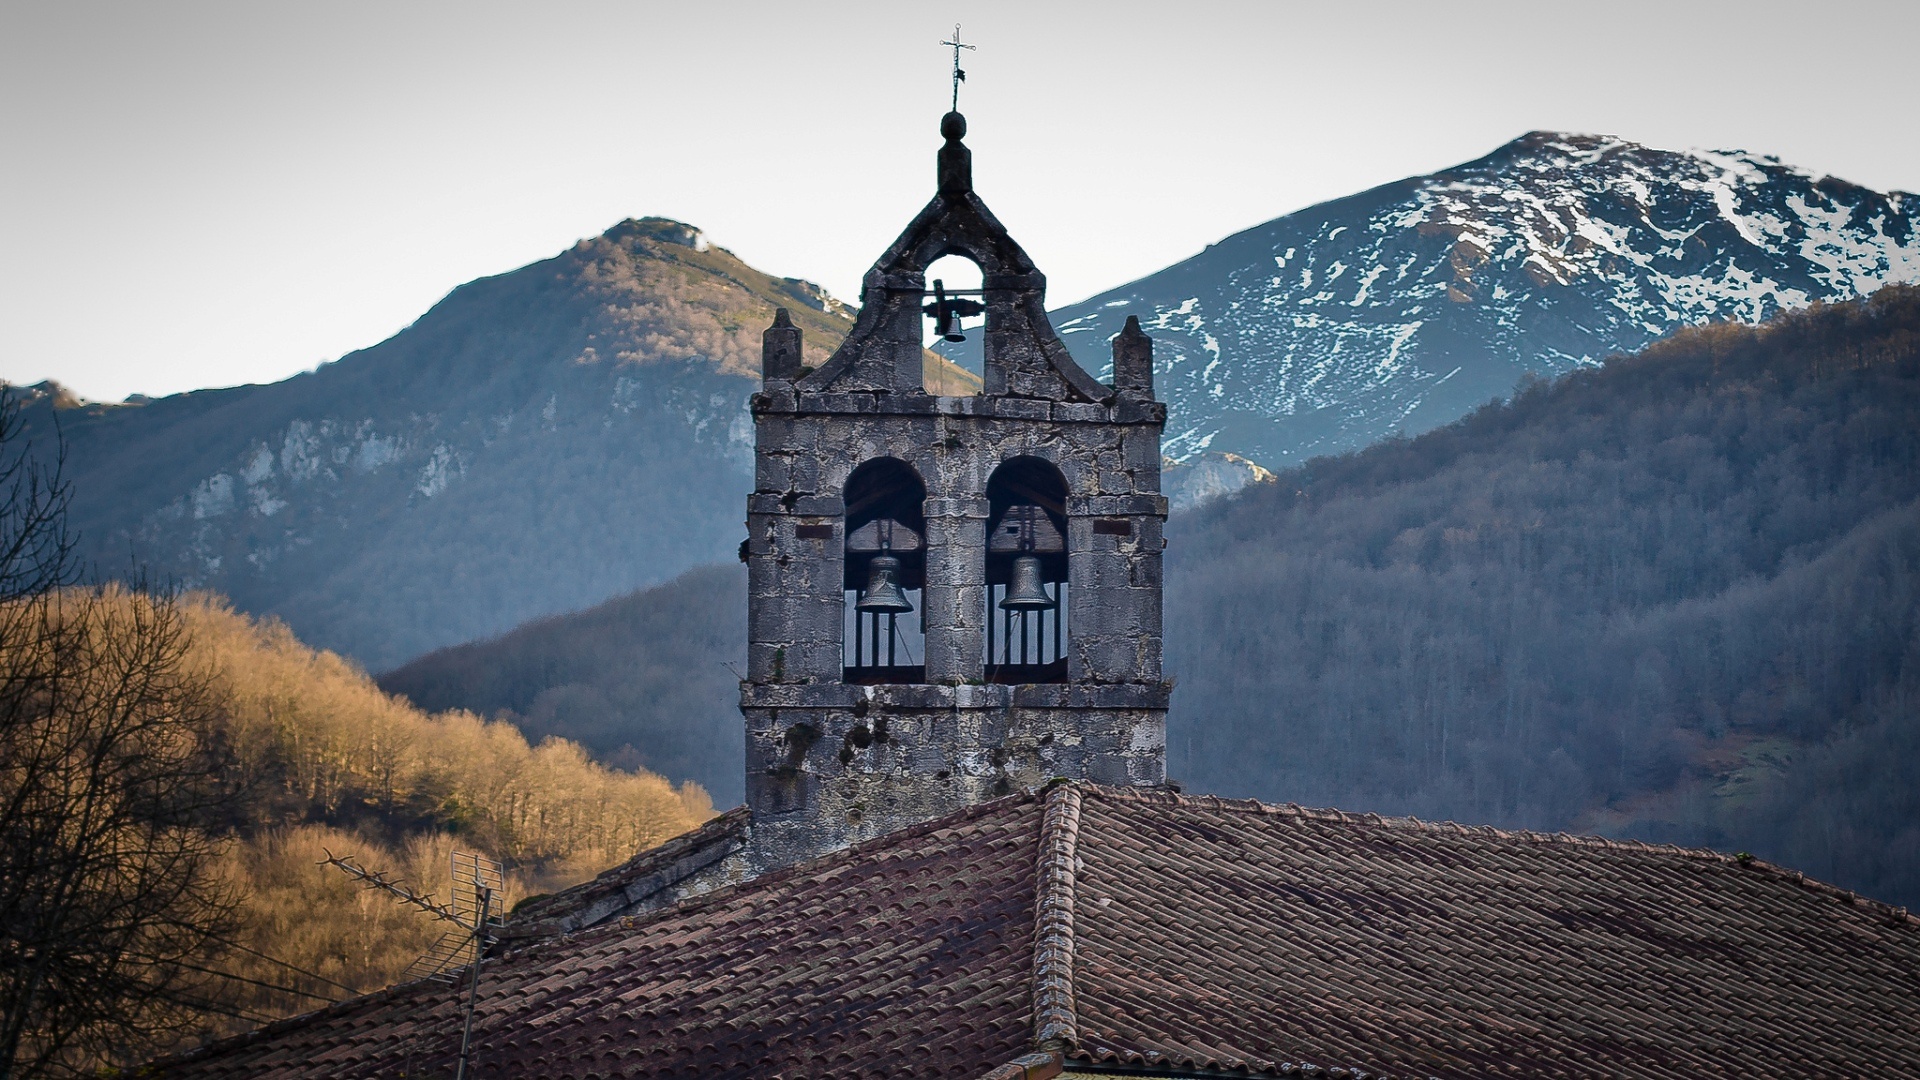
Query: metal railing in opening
[[1028, 646], [883, 647]]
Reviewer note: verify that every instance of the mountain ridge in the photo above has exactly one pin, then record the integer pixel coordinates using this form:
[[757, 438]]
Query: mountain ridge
[[535, 442], [546, 438], [1548, 253]]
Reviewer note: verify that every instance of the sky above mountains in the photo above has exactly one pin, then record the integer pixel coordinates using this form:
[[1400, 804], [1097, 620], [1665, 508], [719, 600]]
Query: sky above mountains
[[204, 194]]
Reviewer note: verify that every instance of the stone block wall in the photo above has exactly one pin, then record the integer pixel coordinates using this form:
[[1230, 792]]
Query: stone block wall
[[829, 763]]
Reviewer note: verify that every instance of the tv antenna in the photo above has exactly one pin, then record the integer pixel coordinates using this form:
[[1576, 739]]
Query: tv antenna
[[478, 887], [959, 76]]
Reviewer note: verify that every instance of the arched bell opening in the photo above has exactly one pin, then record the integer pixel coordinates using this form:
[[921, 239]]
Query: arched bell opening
[[1026, 639], [955, 311], [885, 575]]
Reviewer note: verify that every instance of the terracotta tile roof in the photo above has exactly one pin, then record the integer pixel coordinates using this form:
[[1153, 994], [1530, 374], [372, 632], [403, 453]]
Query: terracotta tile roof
[[1227, 935], [910, 957], [1149, 930]]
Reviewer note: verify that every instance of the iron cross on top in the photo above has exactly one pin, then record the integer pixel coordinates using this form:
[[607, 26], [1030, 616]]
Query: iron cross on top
[[959, 76]]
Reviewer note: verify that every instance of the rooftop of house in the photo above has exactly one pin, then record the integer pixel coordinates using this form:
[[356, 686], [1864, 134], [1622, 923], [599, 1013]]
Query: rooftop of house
[[1095, 928]]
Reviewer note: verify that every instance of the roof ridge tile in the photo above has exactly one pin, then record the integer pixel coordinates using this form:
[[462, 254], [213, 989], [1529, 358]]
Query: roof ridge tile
[[1036, 1066], [1054, 1022]]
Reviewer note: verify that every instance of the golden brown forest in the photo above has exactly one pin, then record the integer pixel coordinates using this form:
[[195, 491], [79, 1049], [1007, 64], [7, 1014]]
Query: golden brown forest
[[308, 756], [323, 760]]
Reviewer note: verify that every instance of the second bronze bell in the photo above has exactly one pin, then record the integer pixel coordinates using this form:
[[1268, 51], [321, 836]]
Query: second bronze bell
[[883, 593], [1026, 592]]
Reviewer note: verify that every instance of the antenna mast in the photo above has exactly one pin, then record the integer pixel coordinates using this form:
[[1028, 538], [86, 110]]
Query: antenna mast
[[477, 884]]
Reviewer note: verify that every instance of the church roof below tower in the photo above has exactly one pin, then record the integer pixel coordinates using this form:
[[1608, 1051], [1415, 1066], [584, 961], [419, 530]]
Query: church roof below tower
[[1176, 935]]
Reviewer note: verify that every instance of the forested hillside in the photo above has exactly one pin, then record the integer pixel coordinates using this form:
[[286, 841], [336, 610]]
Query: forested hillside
[[642, 680], [1671, 598], [173, 774], [318, 759], [1674, 598]]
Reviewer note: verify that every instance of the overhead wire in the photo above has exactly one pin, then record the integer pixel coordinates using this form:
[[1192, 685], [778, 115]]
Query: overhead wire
[[232, 1012], [290, 967], [255, 982]]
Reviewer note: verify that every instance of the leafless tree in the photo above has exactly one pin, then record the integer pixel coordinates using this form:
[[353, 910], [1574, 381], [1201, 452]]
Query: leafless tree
[[108, 887]]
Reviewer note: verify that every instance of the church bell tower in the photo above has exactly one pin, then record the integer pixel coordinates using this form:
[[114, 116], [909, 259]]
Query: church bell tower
[[949, 598]]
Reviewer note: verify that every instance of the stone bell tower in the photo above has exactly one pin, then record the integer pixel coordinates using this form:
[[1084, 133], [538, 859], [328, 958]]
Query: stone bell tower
[[949, 598]]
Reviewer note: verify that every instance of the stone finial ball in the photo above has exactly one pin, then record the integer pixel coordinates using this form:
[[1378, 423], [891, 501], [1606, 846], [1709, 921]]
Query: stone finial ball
[[953, 126]]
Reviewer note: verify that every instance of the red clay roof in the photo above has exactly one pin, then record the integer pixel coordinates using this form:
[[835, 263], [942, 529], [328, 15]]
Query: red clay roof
[[909, 958], [1235, 936], [1180, 934]]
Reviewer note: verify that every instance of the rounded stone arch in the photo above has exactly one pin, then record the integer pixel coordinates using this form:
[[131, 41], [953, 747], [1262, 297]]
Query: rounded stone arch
[[1026, 639], [987, 256], [1033, 479], [885, 517], [979, 267], [885, 487]]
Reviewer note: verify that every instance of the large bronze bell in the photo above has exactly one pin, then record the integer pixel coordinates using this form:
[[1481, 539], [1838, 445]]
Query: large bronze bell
[[1025, 592], [883, 587]]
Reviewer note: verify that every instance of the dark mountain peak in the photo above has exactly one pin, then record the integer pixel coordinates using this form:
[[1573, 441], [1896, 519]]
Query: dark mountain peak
[[537, 441], [1564, 144], [49, 395], [665, 230], [646, 291], [56, 394]]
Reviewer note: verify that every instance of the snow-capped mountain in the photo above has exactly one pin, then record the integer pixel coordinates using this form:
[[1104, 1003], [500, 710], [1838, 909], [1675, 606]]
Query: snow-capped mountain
[[1402, 308]]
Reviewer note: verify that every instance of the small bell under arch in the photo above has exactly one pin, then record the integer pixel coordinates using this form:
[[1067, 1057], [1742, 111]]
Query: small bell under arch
[[1026, 592], [947, 311], [883, 593]]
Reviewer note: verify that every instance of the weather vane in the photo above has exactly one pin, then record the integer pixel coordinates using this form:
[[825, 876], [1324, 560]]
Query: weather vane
[[959, 76]]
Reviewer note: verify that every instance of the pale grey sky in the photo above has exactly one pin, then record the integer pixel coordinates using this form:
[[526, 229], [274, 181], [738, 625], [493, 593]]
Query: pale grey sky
[[201, 194]]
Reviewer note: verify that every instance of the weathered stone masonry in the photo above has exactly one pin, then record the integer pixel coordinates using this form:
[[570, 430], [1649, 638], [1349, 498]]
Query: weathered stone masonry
[[829, 762]]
